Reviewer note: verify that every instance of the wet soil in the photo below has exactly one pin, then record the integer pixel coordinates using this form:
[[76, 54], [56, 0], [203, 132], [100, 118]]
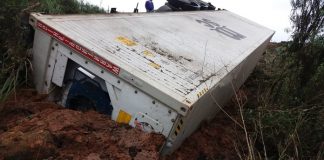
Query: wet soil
[[33, 128]]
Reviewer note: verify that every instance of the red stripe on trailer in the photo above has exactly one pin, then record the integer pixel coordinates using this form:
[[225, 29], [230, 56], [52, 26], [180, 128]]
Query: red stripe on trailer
[[80, 49]]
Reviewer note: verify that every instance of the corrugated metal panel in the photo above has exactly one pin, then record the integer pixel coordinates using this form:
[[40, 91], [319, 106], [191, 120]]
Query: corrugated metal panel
[[174, 52]]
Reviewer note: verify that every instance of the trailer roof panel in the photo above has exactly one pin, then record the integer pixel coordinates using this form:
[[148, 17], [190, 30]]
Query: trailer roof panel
[[174, 52]]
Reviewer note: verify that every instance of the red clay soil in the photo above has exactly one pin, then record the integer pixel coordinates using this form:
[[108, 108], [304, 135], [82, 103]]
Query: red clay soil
[[214, 140], [32, 128]]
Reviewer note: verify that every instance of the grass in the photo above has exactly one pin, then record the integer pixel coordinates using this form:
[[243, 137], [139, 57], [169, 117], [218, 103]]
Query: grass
[[273, 127], [275, 130], [13, 75]]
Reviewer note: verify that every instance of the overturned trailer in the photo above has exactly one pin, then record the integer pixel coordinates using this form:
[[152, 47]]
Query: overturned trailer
[[159, 72]]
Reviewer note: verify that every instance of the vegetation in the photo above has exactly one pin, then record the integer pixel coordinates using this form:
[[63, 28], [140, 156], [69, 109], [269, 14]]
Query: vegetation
[[68, 7], [285, 118]]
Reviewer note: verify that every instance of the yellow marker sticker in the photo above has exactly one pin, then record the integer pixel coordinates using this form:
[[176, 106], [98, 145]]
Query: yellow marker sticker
[[126, 41], [148, 53], [156, 66], [201, 93], [123, 117]]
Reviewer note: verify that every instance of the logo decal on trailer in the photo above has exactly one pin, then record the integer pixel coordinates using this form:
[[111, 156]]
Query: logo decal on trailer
[[80, 49], [221, 29]]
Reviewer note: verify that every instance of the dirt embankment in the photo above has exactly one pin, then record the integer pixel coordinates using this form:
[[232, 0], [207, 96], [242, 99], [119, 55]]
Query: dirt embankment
[[215, 140], [32, 128]]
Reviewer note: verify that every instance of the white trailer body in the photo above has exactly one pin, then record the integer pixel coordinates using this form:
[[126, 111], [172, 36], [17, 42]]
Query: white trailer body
[[163, 72]]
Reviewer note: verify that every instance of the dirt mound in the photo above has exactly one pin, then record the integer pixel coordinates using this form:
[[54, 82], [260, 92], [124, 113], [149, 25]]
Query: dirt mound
[[20, 106], [36, 130], [214, 140], [32, 128]]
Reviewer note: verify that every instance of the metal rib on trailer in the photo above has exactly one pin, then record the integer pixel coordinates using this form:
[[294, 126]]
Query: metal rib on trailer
[[175, 57]]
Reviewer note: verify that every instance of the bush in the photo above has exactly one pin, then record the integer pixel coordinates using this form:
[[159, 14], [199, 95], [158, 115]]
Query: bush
[[285, 117]]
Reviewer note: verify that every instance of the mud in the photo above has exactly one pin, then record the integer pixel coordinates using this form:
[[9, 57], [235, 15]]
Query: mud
[[215, 140], [154, 46], [33, 128]]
